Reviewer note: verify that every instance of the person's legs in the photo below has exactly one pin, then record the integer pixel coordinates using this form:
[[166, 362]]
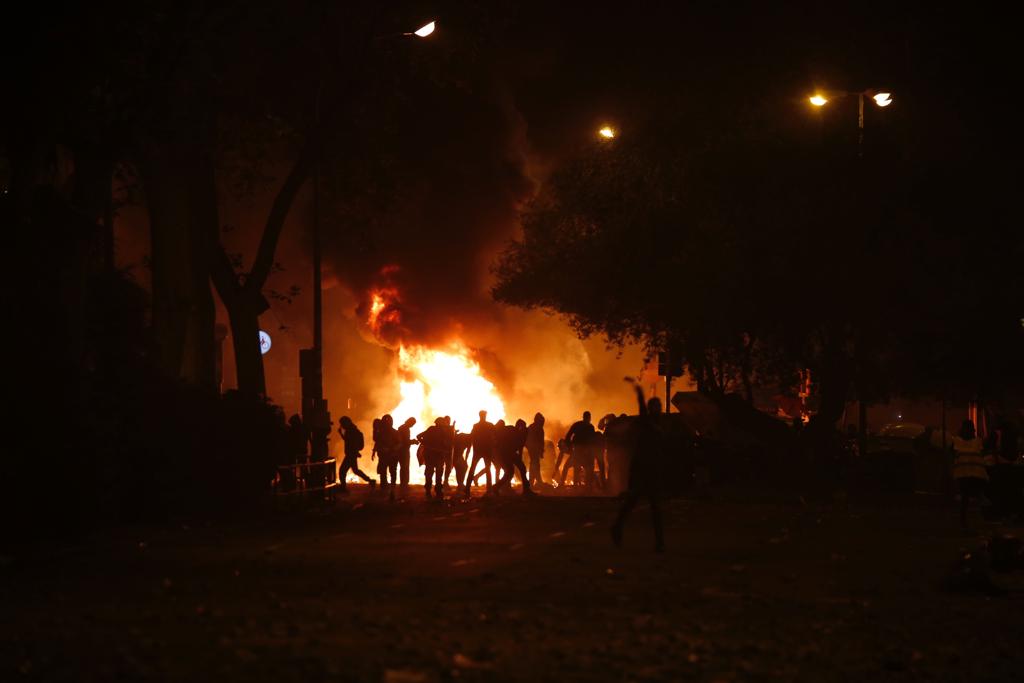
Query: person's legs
[[448, 467], [602, 479], [505, 479], [459, 462], [343, 474], [558, 468], [521, 466], [468, 479], [488, 462], [535, 476], [587, 467], [404, 462], [439, 469], [628, 503], [568, 464]]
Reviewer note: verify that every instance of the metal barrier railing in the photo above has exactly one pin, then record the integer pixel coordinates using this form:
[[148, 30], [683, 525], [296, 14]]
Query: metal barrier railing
[[299, 480]]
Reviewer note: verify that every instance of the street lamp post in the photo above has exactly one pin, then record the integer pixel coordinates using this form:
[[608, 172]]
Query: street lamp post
[[881, 99], [315, 413]]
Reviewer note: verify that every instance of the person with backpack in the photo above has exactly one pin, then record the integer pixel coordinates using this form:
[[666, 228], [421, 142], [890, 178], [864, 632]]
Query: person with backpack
[[354, 444]]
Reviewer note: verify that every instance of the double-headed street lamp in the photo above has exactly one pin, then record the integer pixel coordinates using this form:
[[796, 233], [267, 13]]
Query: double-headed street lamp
[[311, 361], [882, 99]]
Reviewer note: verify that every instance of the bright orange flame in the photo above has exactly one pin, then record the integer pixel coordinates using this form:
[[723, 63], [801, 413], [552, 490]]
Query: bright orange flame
[[383, 309], [376, 307], [444, 382]]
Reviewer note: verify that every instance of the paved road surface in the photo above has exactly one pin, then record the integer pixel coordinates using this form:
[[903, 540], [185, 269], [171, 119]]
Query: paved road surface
[[513, 589]]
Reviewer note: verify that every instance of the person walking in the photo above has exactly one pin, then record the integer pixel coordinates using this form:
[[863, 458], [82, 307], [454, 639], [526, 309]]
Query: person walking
[[354, 443]]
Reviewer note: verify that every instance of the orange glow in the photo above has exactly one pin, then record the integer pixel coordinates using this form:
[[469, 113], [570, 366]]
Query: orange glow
[[818, 100], [383, 309], [607, 132], [444, 382], [883, 99]]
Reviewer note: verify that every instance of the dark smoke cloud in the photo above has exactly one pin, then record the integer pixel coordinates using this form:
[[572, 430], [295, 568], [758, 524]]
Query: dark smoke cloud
[[455, 204]]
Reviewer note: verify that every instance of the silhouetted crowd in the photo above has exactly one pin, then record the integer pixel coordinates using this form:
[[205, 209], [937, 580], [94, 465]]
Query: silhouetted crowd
[[498, 453], [620, 455]]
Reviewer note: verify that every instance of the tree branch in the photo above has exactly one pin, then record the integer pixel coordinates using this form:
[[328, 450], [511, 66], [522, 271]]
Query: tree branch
[[275, 219]]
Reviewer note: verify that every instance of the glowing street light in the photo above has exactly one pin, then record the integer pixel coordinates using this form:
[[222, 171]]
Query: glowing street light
[[424, 31], [606, 132], [882, 99]]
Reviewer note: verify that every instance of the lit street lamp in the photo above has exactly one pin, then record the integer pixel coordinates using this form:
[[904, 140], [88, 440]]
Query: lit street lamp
[[882, 99], [607, 132], [423, 31]]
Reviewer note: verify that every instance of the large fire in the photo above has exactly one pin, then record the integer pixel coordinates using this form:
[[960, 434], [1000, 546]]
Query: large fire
[[436, 382]]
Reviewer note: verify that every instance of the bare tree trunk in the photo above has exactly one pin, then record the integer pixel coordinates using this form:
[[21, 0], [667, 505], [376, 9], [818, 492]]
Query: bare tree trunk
[[245, 341]]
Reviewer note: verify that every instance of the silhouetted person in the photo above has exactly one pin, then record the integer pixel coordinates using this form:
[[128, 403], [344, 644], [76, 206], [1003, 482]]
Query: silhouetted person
[[510, 443], [597, 447], [434, 441], [482, 437], [354, 444], [616, 446], [968, 468], [535, 448], [580, 440], [496, 467], [404, 441], [387, 453], [551, 455], [375, 453], [461, 443], [449, 448], [645, 470], [563, 463]]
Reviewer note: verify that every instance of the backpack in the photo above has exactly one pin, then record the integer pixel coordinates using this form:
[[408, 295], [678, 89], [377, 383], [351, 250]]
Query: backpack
[[357, 442]]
